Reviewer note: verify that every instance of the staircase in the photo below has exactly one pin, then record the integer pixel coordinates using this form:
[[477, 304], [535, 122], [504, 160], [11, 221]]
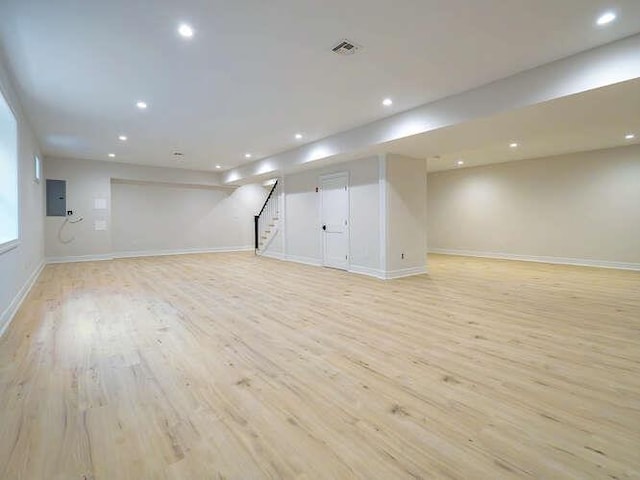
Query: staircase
[[266, 222]]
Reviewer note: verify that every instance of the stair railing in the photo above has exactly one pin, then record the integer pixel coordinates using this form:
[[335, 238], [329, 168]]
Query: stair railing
[[265, 220]]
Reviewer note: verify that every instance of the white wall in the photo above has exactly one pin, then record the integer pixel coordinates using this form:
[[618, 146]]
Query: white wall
[[148, 210], [151, 217], [303, 236], [387, 216], [580, 208], [19, 266], [406, 215], [86, 181]]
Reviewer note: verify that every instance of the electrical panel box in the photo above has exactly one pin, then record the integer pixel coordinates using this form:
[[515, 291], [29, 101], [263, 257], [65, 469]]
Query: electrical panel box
[[56, 198]]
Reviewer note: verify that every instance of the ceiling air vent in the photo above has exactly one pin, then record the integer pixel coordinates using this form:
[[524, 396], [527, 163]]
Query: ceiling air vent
[[345, 47]]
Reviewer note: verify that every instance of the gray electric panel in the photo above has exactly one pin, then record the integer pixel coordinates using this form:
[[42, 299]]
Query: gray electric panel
[[56, 198]]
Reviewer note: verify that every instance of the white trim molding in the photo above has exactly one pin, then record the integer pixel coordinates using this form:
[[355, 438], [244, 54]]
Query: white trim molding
[[356, 269], [182, 251], [384, 208], [370, 272], [79, 258], [304, 260], [147, 253], [283, 216], [275, 255], [10, 312], [580, 262], [10, 245], [313, 262], [405, 272]]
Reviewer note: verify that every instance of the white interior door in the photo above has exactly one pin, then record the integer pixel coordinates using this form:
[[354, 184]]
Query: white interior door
[[335, 220]]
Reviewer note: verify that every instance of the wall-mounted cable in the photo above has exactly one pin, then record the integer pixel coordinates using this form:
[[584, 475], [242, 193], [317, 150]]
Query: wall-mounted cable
[[60, 230]]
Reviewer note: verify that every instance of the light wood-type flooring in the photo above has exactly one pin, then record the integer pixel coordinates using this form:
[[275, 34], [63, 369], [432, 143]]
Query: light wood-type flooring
[[230, 366]]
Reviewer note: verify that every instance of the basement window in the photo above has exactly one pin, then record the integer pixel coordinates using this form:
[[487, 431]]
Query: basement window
[[9, 218], [37, 169]]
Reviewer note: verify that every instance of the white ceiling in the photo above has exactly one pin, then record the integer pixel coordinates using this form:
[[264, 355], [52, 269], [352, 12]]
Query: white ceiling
[[259, 71], [592, 120]]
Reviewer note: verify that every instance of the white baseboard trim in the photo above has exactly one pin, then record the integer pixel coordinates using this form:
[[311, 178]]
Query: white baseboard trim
[[405, 272], [368, 271], [10, 312], [146, 253], [79, 258], [581, 262], [357, 269], [276, 255], [305, 260], [181, 251]]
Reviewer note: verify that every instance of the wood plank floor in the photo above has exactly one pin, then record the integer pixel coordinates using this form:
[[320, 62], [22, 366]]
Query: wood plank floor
[[228, 366]]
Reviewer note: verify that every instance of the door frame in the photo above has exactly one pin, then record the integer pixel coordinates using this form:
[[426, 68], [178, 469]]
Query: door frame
[[330, 176]]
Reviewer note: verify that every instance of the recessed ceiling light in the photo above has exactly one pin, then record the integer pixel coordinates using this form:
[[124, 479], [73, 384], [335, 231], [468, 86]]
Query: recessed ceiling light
[[298, 136], [185, 30], [629, 136], [606, 18], [142, 105], [218, 166], [247, 155], [387, 102], [514, 145], [112, 155], [122, 138], [460, 162]]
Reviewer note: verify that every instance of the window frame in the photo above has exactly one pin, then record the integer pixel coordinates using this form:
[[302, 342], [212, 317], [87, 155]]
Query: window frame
[[13, 243], [37, 168]]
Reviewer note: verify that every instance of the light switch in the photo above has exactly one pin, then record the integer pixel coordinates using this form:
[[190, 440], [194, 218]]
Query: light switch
[[100, 203], [100, 225]]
